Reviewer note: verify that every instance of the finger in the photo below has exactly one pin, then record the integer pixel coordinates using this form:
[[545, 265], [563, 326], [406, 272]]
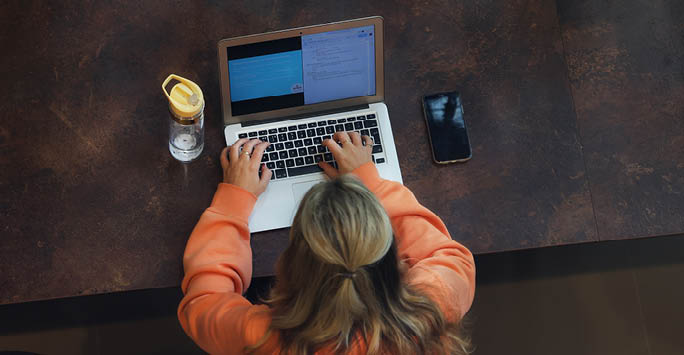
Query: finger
[[249, 147], [235, 149], [332, 146], [328, 169], [368, 142], [224, 158], [341, 137], [355, 138], [266, 174], [258, 152]]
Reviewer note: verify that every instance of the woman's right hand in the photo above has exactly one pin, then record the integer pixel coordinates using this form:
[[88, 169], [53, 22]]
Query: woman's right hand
[[350, 153]]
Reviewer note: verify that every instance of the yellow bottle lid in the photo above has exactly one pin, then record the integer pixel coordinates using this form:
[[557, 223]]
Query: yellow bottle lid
[[185, 99]]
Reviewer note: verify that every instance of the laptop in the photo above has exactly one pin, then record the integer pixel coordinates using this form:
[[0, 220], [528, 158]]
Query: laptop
[[294, 88]]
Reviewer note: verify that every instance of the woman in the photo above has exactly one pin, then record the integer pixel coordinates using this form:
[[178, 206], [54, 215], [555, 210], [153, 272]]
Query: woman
[[367, 269]]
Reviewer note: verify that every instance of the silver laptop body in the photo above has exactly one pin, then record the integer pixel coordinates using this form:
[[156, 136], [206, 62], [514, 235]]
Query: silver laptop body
[[297, 87]]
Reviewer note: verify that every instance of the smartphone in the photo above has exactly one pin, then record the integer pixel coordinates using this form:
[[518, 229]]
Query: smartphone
[[446, 128]]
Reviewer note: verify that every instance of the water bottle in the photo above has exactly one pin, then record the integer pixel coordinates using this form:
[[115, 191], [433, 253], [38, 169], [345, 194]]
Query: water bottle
[[186, 123]]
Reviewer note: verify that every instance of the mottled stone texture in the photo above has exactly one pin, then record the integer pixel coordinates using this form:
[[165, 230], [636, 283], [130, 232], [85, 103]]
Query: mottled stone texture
[[92, 202], [626, 68]]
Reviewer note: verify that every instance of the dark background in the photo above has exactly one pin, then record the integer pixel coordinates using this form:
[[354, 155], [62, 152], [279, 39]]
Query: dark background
[[573, 108], [616, 297]]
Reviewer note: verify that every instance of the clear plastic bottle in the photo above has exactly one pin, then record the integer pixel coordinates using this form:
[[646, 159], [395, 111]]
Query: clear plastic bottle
[[186, 124]]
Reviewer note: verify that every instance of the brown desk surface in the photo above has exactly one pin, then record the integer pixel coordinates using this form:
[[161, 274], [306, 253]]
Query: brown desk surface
[[574, 108]]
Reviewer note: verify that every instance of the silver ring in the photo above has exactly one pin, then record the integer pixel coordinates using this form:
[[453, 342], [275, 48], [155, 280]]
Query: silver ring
[[247, 154]]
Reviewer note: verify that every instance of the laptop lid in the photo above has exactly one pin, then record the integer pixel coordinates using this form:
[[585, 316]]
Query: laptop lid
[[301, 71]]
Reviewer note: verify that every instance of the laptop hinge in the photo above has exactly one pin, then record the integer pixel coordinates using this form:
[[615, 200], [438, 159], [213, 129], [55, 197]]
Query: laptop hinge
[[308, 115]]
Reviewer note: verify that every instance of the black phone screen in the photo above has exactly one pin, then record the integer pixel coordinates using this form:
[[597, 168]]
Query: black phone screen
[[448, 133]]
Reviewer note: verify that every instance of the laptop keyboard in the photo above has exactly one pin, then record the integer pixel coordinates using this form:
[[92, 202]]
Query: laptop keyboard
[[296, 149]]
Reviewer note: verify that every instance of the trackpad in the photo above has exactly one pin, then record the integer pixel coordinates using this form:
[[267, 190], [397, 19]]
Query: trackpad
[[299, 190]]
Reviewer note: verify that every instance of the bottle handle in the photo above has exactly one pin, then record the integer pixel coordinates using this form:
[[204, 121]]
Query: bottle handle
[[173, 76]]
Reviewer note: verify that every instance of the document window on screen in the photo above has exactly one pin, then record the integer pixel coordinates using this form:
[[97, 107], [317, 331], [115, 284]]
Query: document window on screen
[[302, 70]]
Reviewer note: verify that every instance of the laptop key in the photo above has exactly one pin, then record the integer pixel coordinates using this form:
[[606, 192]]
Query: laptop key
[[327, 137], [320, 149], [365, 132], [289, 163], [328, 156], [281, 173], [299, 143], [371, 116], [292, 153], [320, 131], [351, 119], [370, 123], [291, 136], [301, 134], [304, 170], [379, 160], [342, 120], [374, 131], [330, 129], [278, 146], [308, 141], [283, 154], [339, 127], [310, 132], [272, 139], [311, 150], [273, 156], [308, 160], [271, 165], [358, 125], [242, 135], [317, 140], [318, 158], [280, 164], [289, 145], [348, 126], [301, 126], [377, 148], [299, 161], [282, 137], [312, 124], [270, 148], [263, 139], [321, 123], [273, 131], [361, 118], [292, 128], [302, 152], [264, 158], [252, 134], [262, 132], [282, 129]]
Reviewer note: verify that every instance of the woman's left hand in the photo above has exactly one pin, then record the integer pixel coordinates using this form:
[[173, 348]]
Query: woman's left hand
[[241, 166]]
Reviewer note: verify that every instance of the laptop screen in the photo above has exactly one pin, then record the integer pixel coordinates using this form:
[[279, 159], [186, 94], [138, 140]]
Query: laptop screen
[[301, 70]]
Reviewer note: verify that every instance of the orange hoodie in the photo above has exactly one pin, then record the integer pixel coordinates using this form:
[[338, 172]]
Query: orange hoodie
[[218, 266]]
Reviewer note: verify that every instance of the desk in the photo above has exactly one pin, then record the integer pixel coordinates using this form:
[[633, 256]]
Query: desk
[[557, 98]]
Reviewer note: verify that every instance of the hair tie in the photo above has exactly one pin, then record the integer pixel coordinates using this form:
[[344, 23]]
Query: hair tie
[[348, 275]]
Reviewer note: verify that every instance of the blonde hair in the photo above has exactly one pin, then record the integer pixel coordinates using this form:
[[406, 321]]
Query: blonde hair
[[338, 282]]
